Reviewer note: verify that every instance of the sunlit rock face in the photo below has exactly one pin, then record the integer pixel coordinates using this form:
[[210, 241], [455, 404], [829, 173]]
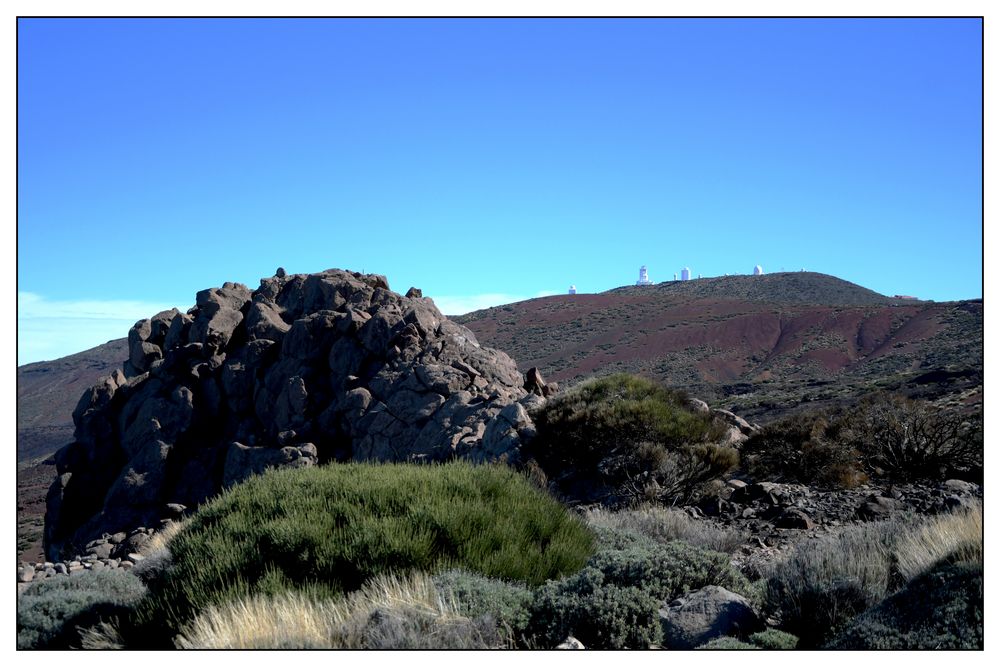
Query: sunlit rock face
[[303, 370]]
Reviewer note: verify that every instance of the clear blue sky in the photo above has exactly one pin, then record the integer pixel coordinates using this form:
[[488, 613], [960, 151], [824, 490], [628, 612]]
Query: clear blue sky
[[486, 160]]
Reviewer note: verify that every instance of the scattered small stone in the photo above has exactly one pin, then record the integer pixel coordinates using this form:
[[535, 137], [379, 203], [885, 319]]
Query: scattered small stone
[[571, 643]]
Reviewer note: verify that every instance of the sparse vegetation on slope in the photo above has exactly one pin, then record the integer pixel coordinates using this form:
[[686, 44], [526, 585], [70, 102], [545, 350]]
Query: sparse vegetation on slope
[[762, 346]]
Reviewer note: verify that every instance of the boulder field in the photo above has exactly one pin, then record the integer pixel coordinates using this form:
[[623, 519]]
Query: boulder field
[[302, 370]]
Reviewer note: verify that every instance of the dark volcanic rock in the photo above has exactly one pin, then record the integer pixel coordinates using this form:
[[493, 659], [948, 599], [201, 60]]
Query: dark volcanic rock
[[303, 370]]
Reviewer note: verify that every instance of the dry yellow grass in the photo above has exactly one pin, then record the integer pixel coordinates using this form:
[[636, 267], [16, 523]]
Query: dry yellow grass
[[102, 637], [295, 622], [958, 535], [161, 539]]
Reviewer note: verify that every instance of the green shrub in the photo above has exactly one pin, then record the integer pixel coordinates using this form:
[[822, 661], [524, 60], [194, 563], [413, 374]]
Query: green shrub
[[774, 639], [326, 530], [625, 437], [668, 571], [477, 596], [942, 609], [726, 644], [52, 613], [627, 585], [803, 448], [599, 614]]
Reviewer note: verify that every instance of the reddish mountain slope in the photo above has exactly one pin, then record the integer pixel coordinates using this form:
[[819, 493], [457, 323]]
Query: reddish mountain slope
[[760, 344]]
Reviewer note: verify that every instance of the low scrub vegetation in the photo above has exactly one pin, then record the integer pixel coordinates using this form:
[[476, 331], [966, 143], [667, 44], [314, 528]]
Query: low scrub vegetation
[[665, 524], [941, 609], [326, 531], [727, 644], [57, 612], [883, 437], [625, 438], [824, 585], [774, 639], [505, 603], [613, 602], [957, 536]]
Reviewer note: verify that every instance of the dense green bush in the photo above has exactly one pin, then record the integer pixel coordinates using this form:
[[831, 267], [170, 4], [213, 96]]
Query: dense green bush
[[51, 613], [774, 639], [599, 614], [625, 437], [327, 530], [627, 581], [477, 596], [942, 609]]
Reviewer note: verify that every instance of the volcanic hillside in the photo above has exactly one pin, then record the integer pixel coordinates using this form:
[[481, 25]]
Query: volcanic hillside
[[47, 392], [760, 345]]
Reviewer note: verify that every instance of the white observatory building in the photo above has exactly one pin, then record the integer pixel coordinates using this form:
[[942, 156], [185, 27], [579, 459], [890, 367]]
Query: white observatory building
[[685, 273], [758, 270], [643, 277], [572, 289]]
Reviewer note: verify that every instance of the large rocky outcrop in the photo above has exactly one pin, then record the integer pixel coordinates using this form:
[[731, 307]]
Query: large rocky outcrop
[[304, 369]]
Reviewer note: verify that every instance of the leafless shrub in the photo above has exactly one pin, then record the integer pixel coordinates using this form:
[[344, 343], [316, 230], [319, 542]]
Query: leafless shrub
[[907, 439]]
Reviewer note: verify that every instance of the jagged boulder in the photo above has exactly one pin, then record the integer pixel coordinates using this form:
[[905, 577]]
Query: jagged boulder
[[302, 370]]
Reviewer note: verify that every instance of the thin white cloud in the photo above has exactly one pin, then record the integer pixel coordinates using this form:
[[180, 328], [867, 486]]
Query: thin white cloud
[[460, 305], [49, 329]]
